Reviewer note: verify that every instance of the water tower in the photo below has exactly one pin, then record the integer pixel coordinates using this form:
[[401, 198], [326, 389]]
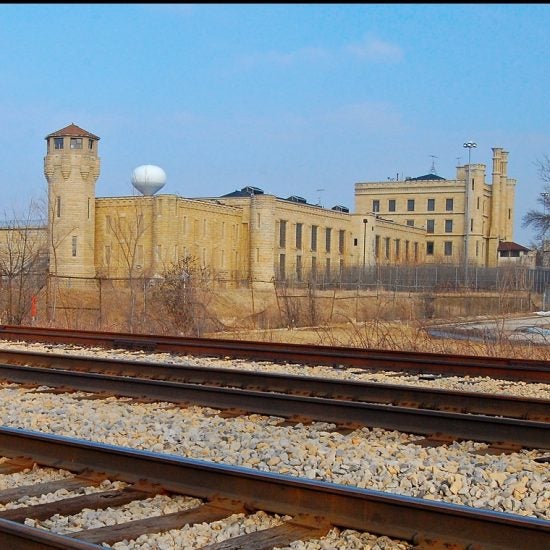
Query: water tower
[[148, 179]]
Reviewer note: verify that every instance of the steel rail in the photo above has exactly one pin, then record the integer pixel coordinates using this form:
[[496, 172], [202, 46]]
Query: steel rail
[[411, 362], [419, 521], [488, 429], [370, 392]]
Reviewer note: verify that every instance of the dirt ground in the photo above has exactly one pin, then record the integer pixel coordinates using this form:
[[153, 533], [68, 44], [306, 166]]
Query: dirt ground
[[370, 320], [367, 319]]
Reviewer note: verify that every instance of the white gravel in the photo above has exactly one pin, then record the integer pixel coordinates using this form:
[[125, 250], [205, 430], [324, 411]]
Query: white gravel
[[369, 458], [189, 537], [470, 384]]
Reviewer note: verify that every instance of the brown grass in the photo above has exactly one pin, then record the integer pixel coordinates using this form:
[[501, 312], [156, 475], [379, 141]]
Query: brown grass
[[369, 319]]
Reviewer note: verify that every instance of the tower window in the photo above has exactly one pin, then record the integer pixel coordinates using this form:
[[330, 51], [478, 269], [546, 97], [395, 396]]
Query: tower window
[[74, 245], [58, 143], [58, 207], [76, 143], [90, 144]]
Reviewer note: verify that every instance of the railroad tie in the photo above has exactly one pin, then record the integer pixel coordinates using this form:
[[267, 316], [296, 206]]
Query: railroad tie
[[301, 527], [73, 505], [37, 489], [15, 465], [213, 511]]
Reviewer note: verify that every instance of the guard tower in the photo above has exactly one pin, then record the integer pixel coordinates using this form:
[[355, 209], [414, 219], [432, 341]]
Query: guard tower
[[71, 166]]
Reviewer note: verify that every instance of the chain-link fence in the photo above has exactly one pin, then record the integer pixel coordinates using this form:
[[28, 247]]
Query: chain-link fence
[[427, 278]]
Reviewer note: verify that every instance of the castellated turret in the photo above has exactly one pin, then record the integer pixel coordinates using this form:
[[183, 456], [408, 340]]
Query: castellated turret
[[71, 167]]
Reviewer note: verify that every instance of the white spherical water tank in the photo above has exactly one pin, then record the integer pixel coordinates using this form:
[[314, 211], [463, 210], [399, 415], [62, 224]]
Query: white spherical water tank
[[148, 179]]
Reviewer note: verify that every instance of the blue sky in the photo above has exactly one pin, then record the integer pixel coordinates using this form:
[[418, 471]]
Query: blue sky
[[293, 98]]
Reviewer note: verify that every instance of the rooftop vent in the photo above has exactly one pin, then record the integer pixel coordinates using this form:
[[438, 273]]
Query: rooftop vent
[[252, 190], [296, 198]]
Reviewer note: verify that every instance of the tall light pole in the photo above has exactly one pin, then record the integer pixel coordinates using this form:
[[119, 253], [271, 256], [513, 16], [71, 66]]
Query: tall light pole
[[365, 221], [467, 145]]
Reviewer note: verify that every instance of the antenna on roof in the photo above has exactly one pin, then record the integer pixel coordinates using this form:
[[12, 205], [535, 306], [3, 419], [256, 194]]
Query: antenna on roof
[[319, 198], [432, 169]]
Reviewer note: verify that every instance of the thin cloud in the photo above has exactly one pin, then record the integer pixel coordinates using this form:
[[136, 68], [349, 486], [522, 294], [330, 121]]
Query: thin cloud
[[371, 116], [286, 59], [371, 49], [374, 49]]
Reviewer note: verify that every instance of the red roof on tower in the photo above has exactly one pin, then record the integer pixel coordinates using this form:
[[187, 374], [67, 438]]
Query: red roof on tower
[[72, 130]]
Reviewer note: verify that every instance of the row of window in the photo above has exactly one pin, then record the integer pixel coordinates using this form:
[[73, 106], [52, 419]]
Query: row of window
[[447, 248], [313, 241], [299, 268], [178, 252], [75, 143], [397, 248], [430, 226], [411, 205]]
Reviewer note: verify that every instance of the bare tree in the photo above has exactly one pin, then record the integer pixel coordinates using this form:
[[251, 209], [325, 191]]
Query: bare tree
[[539, 219], [128, 233], [183, 295], [23, 261]]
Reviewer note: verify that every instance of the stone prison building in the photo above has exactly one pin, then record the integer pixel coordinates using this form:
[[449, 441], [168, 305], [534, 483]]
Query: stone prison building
[[255, 237]]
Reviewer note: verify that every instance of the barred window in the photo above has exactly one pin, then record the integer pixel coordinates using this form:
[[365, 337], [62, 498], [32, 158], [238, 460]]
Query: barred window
[[313, 238], [299, 235], [282, 233]]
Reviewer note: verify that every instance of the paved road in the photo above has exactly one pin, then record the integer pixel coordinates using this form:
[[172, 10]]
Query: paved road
[[529, 328]]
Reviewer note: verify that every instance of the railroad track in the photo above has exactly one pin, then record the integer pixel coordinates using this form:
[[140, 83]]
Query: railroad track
[[369, 392], [528, 370], [347, 404], [224, 490]]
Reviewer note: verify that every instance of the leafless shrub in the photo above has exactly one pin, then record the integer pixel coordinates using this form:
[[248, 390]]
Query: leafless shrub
[[183, 296]]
